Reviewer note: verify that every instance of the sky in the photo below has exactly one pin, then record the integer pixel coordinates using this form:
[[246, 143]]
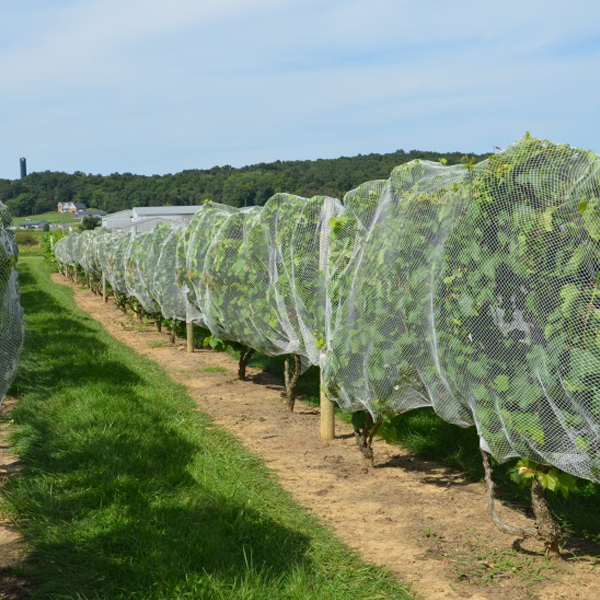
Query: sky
[[159, 86]]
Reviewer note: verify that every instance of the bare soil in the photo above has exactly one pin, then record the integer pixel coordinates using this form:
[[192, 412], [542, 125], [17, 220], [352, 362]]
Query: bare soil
[[425, 522], [12, 548]]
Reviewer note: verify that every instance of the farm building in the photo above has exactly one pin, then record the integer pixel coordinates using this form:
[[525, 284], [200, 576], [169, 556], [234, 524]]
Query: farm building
[[31, 224], [144, 218], [70, 207]]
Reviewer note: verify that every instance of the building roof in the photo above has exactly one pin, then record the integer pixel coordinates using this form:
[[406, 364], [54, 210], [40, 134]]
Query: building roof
[[145, 224], [74, 204], [90, 211], [120, 214], [33, 223], [155, 211]]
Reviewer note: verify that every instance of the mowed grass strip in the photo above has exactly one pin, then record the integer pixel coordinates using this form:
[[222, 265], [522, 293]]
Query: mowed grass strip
[[127, 491]]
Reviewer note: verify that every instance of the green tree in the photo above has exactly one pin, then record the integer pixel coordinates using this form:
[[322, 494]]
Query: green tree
[[90, 222]]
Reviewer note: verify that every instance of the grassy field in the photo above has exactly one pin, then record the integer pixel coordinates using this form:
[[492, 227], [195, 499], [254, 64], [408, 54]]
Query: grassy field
[[51, 217], [128, 492]]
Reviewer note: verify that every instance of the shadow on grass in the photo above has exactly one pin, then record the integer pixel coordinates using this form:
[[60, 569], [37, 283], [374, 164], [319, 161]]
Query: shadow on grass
[[224, 545], [111, 498]]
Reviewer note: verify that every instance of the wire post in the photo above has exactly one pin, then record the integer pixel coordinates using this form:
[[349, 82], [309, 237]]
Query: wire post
[[327, 406], [189, 328]]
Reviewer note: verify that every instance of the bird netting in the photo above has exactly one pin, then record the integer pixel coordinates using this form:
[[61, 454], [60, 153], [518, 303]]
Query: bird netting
[[114, 250], [11, 313], [89, 258], [163, 286], [475, 292], [471, 289], [140, 266], [196, 237]]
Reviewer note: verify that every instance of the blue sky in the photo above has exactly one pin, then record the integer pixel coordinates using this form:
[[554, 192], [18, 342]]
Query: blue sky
[[159, 86]]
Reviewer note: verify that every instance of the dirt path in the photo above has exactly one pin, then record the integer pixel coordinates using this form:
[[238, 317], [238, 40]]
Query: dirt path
[[423, 521], [12, 549]]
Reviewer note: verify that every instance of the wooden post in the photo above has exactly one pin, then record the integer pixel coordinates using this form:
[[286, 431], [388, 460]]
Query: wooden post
[[327, 410], [327, 406], [104, 296], [189, 329]]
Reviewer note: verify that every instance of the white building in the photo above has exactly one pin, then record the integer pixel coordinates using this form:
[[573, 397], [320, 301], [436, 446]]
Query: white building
[[144, 218], [70, 207]]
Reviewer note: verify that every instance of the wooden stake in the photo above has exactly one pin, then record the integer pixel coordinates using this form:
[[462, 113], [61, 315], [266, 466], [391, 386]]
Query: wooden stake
[[190, 337], [189, 329], [104, 296], [327, 412]]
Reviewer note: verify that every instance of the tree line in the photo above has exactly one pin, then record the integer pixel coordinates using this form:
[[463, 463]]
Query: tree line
[[252, 185]]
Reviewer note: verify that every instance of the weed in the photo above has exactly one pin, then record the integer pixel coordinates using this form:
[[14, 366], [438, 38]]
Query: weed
[[160, 344], [215, 369]]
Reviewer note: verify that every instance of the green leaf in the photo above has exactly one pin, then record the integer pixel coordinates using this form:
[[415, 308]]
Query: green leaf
[[549, 480], [582, 366], [502, 383], [546, 219], [569, 294], [566, 482]]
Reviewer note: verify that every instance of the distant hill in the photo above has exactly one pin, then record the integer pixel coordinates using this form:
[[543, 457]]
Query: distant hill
[[246, 186]]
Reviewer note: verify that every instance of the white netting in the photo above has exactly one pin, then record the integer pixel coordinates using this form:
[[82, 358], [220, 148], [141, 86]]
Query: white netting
[[196, 238], [471, 289], [11, 313], [475, 291], [90, 260], [114, 250], [140, 266], [163, 286]]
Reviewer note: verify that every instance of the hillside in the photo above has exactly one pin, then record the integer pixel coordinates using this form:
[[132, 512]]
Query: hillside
[[246, 186]]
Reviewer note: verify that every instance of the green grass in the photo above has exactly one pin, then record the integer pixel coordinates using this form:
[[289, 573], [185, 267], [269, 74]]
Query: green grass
[[24, 236], [160, 344], [52, 217], [35, 250], [215, 369], [127, 491]]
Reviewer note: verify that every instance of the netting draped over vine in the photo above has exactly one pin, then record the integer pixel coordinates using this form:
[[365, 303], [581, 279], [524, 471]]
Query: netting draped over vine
[[11, 313], [472, 289], [475, 292]]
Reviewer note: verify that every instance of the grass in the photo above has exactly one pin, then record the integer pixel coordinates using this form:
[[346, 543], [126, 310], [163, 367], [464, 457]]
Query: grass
[[51, 216], [30, 250], [160, 344], [476, 563], [28, 242], [127, 492], [215, 369]]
